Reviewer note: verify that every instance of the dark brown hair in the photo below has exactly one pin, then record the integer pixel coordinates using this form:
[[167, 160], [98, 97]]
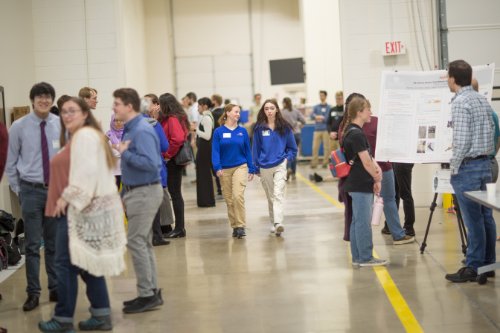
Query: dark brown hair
[[86, 92], [170, 107], [153, 97], [461, 71], [129, 96], [281, 125], [90, 121]]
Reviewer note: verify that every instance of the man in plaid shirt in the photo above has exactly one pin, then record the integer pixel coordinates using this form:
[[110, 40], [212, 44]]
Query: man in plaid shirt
[[473, 131]]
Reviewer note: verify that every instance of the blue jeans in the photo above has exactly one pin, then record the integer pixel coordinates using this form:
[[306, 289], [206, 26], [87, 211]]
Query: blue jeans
[[67, 289], [293, 163], [481, 229], [388, 194], [36, 226], [361, 231]]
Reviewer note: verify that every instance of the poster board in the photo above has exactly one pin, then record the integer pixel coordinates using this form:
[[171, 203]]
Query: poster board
[[415, 123]]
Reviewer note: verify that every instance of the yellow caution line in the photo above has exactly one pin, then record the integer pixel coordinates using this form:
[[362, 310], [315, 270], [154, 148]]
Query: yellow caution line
[[399, 304], [320, 192]]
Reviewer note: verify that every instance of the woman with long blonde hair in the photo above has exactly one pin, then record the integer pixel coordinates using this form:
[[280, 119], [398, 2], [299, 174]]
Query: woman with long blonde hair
[[232, 163]]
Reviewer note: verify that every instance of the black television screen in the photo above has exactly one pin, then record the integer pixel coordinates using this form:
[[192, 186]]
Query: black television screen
[[284, 71]]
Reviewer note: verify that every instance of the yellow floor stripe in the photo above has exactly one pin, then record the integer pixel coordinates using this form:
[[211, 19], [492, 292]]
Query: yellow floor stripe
[[397, 300]]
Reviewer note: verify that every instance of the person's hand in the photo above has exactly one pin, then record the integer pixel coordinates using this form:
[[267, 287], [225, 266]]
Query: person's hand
[[319, 118], [122, 146], [250, 177], [377, 187], [219, 173], [334, 135], [61, 205]]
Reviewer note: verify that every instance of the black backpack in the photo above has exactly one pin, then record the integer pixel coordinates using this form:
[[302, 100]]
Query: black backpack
[[7, 221], [4, 256], [13, 252]]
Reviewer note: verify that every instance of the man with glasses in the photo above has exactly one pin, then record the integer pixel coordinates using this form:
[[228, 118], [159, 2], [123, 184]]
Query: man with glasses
[[33, 141]]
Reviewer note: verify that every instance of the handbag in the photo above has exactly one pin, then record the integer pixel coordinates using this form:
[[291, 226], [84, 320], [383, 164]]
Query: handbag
[[185, 155]]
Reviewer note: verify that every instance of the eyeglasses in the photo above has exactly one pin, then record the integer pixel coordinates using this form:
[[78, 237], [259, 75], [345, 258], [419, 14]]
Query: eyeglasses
[[68, 112]]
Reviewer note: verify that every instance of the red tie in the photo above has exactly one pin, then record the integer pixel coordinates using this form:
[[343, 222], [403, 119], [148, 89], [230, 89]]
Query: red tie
[[45, 153]]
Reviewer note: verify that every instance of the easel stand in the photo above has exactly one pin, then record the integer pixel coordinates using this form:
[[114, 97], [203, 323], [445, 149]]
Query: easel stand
[[461, 226]]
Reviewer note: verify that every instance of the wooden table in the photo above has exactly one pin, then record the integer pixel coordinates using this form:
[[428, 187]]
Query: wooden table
[[492, 202]]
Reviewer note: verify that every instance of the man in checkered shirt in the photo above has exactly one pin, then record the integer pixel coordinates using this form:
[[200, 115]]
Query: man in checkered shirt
[[470, 165]]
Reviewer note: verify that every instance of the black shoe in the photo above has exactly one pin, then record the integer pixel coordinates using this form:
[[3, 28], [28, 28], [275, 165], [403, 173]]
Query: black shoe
[[165, 229], [53, 296], [240, 233], [31, 302], [143, 304], [409, 231], [464, 274], [177, 234], [160, 242], [132, 301], [385, 230], [235, 232]]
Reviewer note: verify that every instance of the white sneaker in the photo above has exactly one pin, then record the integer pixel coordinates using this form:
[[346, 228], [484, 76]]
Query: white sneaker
[[273, 229], [279, 229], [374, 262]]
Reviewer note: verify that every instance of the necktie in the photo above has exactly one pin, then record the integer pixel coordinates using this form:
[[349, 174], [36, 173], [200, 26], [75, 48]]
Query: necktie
[[45, 153]]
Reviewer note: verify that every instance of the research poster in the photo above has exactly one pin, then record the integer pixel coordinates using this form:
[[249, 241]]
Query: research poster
[[415, 124]]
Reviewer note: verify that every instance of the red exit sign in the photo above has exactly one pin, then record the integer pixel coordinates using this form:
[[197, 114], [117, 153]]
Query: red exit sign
[[394, 48]]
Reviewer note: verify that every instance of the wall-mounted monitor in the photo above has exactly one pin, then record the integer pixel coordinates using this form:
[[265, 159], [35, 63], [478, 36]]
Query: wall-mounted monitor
[[287, 71]]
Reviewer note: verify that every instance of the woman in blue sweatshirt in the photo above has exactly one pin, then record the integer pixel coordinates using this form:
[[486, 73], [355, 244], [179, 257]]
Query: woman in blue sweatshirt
[[232, 162], [273, 145]]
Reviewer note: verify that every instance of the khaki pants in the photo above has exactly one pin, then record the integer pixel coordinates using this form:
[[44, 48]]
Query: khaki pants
[[334, 145], [320, 136], [233, 183], [273, 181]]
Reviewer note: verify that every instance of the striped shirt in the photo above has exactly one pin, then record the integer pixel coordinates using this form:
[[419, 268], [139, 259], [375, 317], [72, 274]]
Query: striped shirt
[[473, 127]]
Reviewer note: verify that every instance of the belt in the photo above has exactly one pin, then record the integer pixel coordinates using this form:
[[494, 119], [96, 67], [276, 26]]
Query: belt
[[131, 187], [35, 185], [480, 157]]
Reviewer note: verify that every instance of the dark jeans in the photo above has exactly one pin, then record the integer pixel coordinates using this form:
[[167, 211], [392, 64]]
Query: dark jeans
[[174, 182], [36, 226], [403, 174], [67, 289], [481, 236], [293, 164]]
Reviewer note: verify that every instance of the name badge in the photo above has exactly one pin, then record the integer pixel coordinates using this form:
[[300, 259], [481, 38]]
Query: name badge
[[323, 110], [226, 135], [266, 133], [56, 144]]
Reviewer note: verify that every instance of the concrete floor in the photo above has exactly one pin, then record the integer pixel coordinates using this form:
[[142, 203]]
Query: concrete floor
[[302, 282]]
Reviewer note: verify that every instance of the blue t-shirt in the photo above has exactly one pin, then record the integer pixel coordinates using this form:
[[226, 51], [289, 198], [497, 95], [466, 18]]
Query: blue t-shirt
[[270, 148], [231, 148], [320, 110]]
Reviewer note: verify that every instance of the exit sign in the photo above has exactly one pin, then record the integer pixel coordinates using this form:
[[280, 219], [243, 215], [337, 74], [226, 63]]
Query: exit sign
[[394, 48]]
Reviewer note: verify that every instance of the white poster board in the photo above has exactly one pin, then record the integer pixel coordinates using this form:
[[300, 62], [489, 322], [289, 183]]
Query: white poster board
[[441, 182], [414, 123]]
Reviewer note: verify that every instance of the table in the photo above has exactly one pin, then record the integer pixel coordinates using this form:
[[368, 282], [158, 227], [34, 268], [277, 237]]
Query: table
[[492, 202]]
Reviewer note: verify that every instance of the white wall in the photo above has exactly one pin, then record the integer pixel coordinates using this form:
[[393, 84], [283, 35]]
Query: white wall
[[473, 35], [225, 46], [365, 26], [134, 45], [322, 42], [160, 66], [17, 65]]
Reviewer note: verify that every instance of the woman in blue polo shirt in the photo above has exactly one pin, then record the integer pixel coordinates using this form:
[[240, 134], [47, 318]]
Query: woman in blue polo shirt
[[232, 162], [273, 145]]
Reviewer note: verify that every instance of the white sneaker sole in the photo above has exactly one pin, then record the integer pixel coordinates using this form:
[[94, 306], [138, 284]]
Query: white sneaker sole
[[279, 230]]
